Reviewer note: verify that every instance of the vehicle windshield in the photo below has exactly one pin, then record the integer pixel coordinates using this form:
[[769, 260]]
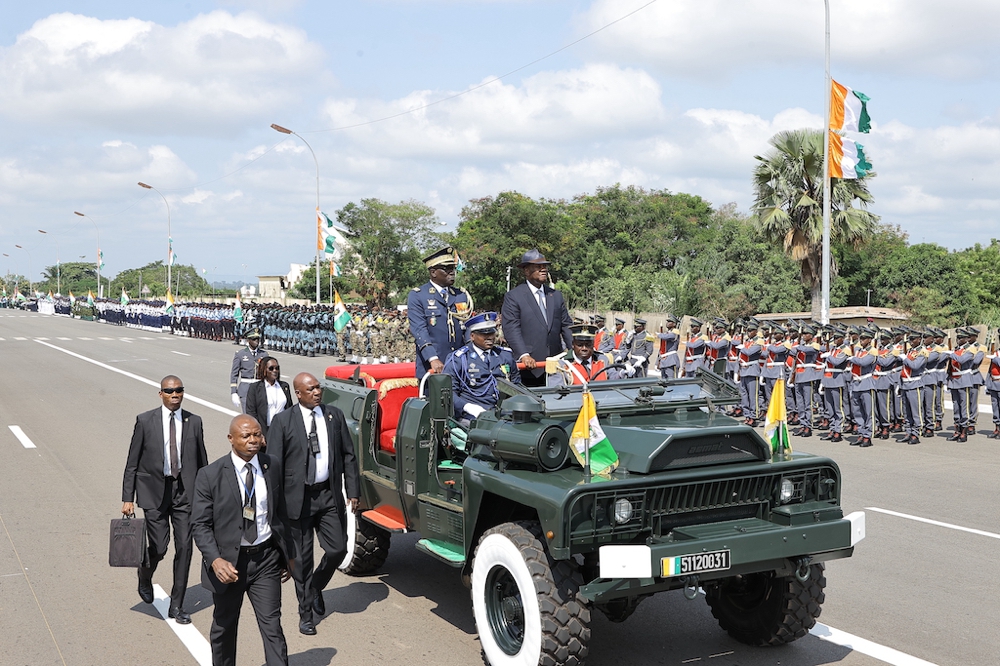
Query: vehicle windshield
[[640, 394]]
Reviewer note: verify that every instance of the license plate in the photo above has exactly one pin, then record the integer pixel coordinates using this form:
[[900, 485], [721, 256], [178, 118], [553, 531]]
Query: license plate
[[686, 565]]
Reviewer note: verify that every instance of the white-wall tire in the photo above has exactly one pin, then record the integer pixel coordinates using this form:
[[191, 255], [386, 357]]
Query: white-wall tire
[[513, 576]]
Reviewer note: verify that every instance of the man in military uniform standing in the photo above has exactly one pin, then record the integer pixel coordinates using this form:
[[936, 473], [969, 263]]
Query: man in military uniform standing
[[694, 349], [807, 375], [641, 349], [834, 383], [475, 368], [670, 341], [243, 373], [437, 312], [862, 365]]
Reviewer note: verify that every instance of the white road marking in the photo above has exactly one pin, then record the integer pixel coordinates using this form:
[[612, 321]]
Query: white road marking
[[62, 338], [85, 338], [864, 646], [935, 522], [41, 338], [1, 339], [128, 340], [150, 382], [196, 644], [147, 338], [105, 338], [20, 338], [177, 352], [21, 437]]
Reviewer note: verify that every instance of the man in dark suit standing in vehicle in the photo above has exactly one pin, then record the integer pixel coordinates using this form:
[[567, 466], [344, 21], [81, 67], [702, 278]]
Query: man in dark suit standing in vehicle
[[313, 446], [536, 323], [167, 450], [237, 532]]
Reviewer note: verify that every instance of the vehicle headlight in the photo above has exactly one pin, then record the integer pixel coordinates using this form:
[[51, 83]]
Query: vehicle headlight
[[623, 511], [787, 491]]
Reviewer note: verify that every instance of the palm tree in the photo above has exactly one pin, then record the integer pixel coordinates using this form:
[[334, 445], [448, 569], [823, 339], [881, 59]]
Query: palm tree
[[788, 203]]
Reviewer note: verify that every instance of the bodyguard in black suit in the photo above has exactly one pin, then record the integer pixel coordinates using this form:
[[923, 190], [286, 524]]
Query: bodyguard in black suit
[[264, 399], [313, 446], [167, 450], [536, 323], [236, 528]]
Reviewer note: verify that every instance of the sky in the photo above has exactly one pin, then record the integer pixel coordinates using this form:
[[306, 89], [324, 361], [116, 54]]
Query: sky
[[669, 94]]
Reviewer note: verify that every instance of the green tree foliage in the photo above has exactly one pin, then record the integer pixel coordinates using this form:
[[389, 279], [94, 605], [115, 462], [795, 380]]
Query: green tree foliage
[[188, 283], [926, 276], [384, 245], [788, 201], [75, 276]]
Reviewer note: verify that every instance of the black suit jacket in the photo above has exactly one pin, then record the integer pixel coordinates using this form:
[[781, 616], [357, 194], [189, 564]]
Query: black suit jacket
[[288, 446], [257, 402], [525, 328], [217, 516], [143, 481]]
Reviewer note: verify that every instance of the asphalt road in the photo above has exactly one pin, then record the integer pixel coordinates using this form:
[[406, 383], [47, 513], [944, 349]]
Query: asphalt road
[[923, 589]]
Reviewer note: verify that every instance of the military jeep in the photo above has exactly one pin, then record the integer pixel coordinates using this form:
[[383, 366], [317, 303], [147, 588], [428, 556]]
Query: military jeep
[[698, 502]]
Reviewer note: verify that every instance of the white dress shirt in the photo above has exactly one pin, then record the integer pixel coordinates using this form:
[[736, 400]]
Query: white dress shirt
[[323, 457], [260, 494], [165, 419], [276, 400]]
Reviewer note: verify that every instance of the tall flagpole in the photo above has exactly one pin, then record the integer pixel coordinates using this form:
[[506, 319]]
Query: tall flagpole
[[824, 307]]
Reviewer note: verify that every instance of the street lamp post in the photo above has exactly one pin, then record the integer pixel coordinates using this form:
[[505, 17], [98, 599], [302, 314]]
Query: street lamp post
[[170, 242], [284, 130], [100, 287], [30, 261], [58, 266]]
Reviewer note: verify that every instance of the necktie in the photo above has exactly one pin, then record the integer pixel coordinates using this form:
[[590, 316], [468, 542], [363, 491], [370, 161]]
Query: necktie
[[313, 450], [541, 303], [250, 509], [175, 454]]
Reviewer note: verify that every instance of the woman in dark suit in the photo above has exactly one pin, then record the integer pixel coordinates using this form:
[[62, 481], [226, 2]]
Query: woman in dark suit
[[270, 395]]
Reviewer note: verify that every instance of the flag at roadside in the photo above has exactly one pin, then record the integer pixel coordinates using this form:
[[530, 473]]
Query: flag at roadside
[[341, 316], [775, 425], [20, 297], [326, 237], [90, 298], [72, 298], [849, 110], [50, 297], [170, 303], [238, 309], [459, 264], [847, 158], [124, 298], [587, 433]]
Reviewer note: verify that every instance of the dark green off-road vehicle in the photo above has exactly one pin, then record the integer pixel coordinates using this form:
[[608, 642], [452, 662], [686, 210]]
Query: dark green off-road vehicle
[[698, 501]]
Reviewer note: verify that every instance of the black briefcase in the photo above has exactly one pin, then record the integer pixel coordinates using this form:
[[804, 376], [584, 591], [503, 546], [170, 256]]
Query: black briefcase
[[128, 542]]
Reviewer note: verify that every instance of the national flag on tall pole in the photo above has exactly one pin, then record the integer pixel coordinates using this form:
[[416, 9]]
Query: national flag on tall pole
[[849, 110], [100, 259], [124, 297], [588, 435], [170, 303], [459, 264], [326, 239], [847, 158], [238, 309], [341, 316], [775, 425]]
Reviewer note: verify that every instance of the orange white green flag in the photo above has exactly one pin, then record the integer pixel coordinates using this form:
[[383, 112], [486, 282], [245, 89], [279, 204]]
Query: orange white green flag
[[849, 110], [775, 425], [587, 433], [341, 317], [847, 158]]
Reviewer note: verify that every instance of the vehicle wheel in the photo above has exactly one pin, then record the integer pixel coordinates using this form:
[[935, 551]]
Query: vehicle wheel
[[367, 547], [527, 606], [762, 609]]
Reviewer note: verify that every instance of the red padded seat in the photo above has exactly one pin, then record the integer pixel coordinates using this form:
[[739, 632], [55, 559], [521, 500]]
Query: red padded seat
[[392, 393], [378, 371]]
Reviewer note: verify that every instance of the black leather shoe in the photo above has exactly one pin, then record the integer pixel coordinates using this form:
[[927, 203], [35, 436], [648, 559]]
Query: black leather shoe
[[865, 442], [319, 606], [837, 437], [179, 616], [146, 589], [307, 627], [805, 432], [913, 439]]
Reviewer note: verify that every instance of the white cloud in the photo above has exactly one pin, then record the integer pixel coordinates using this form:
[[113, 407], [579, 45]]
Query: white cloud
[[204, 75], [954, 40]]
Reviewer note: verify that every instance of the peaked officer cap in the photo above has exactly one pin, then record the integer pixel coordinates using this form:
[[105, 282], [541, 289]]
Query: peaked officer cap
[[443, 257], [484, 322], [583, 331]]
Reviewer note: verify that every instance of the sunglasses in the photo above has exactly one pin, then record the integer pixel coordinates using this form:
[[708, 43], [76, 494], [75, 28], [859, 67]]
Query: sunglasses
[[171, 391], [446, 269]]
